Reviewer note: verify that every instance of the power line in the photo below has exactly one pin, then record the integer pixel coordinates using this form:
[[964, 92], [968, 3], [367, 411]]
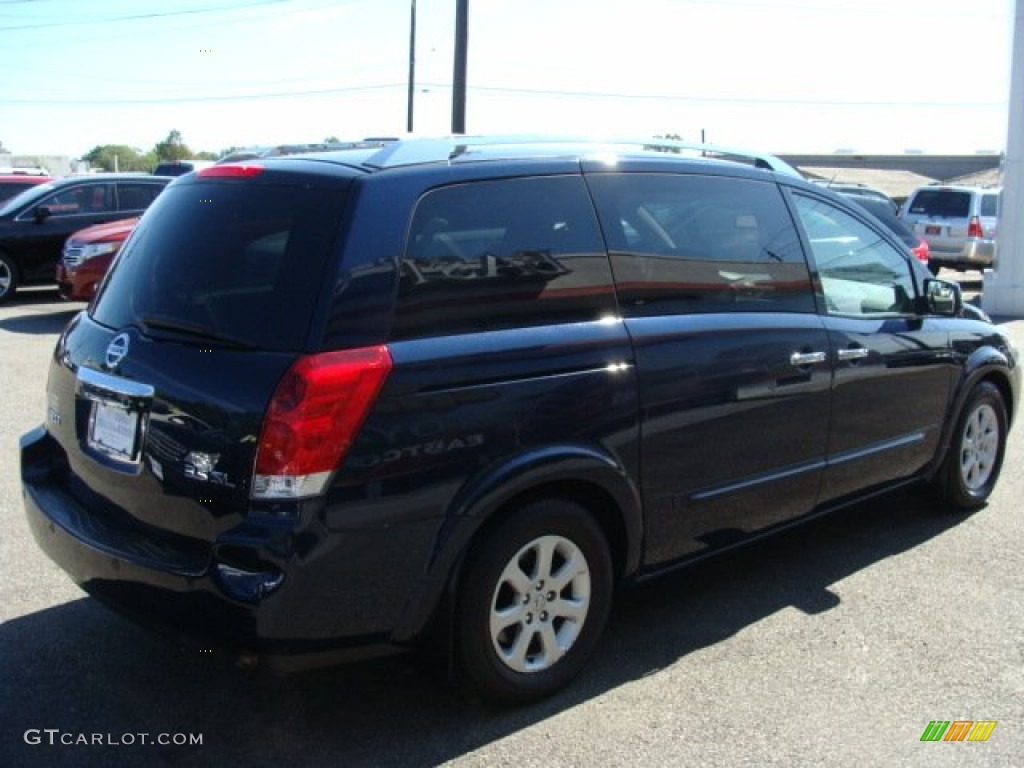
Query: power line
[[141, 16], [518, 91], [728, 99], [200, 99], [185, 26]]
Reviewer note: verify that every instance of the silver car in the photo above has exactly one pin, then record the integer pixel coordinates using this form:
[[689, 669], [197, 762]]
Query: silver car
[[958, 222]]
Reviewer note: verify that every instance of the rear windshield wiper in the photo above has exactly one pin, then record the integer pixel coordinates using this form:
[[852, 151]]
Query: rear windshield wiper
[[193, 330]]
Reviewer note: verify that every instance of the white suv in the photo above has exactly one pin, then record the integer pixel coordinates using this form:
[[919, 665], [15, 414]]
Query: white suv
[[959, 223]]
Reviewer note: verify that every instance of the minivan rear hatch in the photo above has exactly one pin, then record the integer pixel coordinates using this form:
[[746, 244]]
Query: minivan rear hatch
[[158, 394]]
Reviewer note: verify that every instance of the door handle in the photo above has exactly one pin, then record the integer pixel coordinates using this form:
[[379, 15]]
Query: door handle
[[801, 359], [857, 353]]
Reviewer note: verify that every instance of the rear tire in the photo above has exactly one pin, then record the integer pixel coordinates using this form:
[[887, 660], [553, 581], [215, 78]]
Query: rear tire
[[971, 468], [8, 278], [534, 601]]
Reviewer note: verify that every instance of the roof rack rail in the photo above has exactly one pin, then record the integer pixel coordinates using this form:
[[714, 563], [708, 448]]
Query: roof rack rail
[[449, 148]]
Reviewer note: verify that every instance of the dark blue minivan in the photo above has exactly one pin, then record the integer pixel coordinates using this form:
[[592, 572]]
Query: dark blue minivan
[[337, 402]]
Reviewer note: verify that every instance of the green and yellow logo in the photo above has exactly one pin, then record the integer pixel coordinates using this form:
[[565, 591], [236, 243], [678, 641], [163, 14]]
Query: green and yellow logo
[[958, 730]]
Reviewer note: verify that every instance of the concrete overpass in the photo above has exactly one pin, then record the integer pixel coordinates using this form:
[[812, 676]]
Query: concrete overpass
[[938, 167]]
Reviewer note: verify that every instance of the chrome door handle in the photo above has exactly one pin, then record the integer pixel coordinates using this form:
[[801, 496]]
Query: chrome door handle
[[800, 359], [857, 353]]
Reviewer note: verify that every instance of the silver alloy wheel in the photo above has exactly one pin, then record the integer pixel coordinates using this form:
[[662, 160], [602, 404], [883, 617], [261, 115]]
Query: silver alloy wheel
[[540, 603], [979, 448], [5, 278]]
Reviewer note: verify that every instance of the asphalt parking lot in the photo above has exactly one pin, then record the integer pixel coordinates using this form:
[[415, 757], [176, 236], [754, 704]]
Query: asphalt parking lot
[[834, 645]]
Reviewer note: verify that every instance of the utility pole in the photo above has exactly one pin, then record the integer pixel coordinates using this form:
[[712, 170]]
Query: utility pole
[[412, 65], [1003, 287], [459, 76]]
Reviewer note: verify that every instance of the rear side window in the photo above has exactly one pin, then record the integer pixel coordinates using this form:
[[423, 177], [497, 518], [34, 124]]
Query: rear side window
[[133, 196], [684, 244], [941, 203], [990, 205], [236, 262], [490, 255]]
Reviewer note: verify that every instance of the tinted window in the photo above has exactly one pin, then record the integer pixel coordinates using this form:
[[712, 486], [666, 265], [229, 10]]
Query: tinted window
[[136, 196], [884, 214], [861, 274], [945, 203], [501, 254], [235, 261], [80, 199], [990, 205], [684, 244]]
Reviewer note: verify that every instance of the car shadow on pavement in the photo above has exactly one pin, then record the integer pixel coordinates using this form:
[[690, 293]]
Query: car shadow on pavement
[[39, 322], [84, 670]]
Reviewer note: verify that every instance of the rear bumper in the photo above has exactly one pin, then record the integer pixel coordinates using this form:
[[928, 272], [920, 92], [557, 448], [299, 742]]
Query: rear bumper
[[284, 602], [976, 254]]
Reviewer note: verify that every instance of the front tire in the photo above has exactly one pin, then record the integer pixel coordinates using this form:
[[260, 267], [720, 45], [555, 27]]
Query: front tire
[[534, 602], [971, 467], [8, 278]]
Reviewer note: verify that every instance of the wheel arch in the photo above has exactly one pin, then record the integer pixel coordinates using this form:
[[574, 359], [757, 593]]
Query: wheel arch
[[985, 365], [582, 474]]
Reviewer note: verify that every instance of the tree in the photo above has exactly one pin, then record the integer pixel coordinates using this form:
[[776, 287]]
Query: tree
[[172, 148], [120, 157]]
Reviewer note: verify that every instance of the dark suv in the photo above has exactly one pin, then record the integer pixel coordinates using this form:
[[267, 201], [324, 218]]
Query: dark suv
[[35, 223], [462, 389]]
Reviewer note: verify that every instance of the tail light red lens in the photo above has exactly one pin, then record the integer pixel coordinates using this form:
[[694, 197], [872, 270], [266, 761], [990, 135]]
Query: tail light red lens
[[231, 171], [921, 251], [974, 228], [314, 416]]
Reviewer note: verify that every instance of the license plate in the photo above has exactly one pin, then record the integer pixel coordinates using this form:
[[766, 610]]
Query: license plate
[[933, 229], [114, 431]]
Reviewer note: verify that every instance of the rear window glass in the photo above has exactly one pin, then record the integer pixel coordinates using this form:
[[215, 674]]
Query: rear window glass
[[236, 262], [945, 203]]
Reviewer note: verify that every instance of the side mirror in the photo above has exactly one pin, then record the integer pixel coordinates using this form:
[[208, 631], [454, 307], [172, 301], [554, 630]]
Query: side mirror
[[943, 297], [41, 214]]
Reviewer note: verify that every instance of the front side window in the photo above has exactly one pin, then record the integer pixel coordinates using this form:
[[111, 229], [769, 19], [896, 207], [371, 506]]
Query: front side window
[[683, 243], [497, 254], [78, 200], [860, 272]]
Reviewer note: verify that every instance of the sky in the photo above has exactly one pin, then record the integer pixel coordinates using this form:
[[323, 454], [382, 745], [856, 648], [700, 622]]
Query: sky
[[773, 75]]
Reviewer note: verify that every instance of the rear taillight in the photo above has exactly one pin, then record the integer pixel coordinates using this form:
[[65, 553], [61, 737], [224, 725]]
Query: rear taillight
[[313, 418], [974, 228], [231, 171], [921, 251]]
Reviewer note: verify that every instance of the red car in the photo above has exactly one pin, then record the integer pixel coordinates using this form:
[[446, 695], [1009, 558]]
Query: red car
[[87, 255]]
